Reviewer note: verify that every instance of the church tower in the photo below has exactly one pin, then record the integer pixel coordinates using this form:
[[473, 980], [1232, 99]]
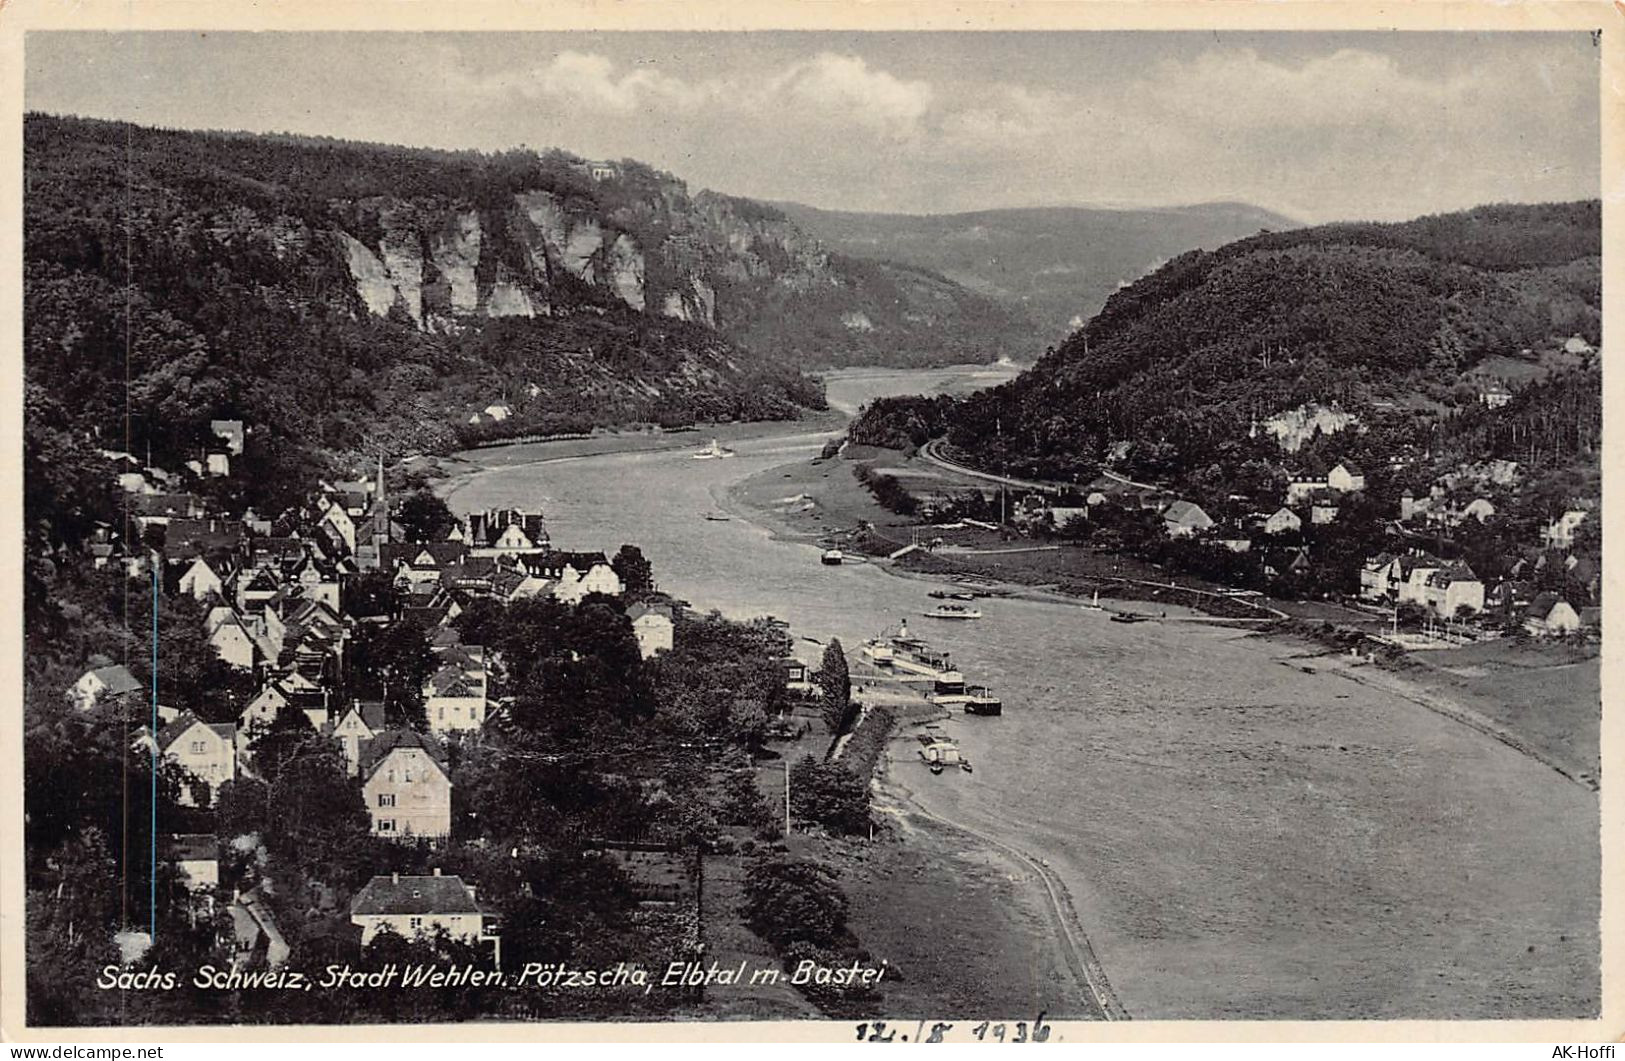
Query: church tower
[[380, 509]]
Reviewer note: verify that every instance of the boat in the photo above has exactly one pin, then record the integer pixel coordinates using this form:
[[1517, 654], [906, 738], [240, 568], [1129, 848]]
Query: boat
[[916, 657], [713, 451], [953, 611], [964, 764], [832, 557], [878, 651], [718, 517], [1129, 617], [975, 699], [939, 594], [936, 767]]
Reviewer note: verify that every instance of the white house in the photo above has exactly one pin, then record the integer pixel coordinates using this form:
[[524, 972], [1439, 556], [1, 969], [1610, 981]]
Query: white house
[[413, 906], [1283, 521], [1345, 478], [201, 581], [1551, 616], [1184, 518], [103, 683], [232, 641], [1453, 587], [406, 786], [653, 627], [206, 751], [1479, 508], [217, 464], [454, 697], [574, 584], [1301, 488], [360, 722]]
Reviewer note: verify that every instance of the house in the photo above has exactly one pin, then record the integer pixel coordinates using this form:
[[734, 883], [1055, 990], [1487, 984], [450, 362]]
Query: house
[[338, 525], [206, 751], [1301, 487], [454, 695], [416, 905], [580, 578], [360, 722], [406, 785], [1551, 616], [1382, 575], [1323, 510], [1283, 521], [1510, 595], [507, 532], [1452, 588], [218, 464], [231, 433], [253, 926], [200, 581], [797, 676], [1494, 395], [1184, 518], [1559, 533], [1479, 508], [230, 639], [652, 625], [1346, 478], [103, 685], [196, 858], [1280, 563]]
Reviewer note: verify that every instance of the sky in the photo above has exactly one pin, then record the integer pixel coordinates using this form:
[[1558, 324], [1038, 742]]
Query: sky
[[1318, 126]]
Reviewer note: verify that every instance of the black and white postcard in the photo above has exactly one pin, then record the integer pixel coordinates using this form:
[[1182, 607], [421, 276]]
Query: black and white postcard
[[895, 525]]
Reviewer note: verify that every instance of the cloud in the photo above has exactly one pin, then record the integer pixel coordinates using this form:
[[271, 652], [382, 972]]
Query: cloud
[[846, 88]]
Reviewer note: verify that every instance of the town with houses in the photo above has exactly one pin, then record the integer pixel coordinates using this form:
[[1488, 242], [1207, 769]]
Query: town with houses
[[275, 594]]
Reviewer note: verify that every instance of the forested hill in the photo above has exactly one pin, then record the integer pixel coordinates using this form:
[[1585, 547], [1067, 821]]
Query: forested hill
[[343, 297], [1056, 265], [1381, 320]]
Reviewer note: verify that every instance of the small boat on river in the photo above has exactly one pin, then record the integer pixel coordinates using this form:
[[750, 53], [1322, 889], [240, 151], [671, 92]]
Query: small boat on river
[[975, 699], [953, 611], [832, 557], [1129, 617], [718, 517]]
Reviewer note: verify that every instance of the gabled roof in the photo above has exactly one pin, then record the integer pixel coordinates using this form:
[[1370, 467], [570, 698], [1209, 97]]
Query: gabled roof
[[371, 712], [1542, 605], [175, 730], [396, 894], [640, 609], [1184, 512], [116, 680], [381, 747]]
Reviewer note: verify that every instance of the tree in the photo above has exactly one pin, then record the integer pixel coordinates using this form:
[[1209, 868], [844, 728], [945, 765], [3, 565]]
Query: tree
[[835, 679], [636, 573], [830, 794], [391, 663], [790, 899], [425, 517]]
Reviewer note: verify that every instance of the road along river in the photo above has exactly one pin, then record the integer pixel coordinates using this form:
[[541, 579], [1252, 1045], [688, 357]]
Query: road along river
[[1243, 834]]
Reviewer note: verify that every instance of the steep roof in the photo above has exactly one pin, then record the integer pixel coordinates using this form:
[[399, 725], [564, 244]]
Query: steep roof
[[379, 748], [116, 679], [640, 609], [1184, 512], [1543, 604], [175, 730], [396, 894]]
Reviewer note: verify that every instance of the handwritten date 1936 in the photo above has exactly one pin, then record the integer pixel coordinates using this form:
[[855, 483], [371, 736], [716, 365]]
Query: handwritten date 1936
[[878, 1031]]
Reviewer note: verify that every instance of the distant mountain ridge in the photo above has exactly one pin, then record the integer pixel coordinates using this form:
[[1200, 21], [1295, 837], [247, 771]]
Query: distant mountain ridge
[[1054, 265], [352, 297], [1393, 322]]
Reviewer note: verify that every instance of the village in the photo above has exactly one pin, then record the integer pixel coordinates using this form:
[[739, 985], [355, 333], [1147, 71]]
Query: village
[[283, 604]]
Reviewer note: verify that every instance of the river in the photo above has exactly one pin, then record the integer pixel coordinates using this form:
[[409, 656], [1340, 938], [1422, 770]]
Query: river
[[1244, 835]]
